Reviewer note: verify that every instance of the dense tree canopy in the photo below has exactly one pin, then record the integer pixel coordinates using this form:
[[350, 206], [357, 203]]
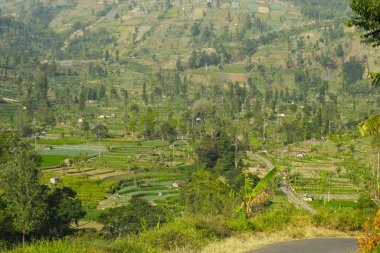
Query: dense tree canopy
[[31, 209], [134, 218], [367, 17]]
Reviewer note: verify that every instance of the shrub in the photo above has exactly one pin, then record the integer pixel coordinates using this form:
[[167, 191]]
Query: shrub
[[179, 234], [138, 216], [344, 220], [242, 225], [129, 245], [275, 218]]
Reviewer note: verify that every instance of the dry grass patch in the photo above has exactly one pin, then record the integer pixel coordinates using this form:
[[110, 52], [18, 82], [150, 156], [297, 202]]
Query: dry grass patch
[[237, 77], [242, 243]]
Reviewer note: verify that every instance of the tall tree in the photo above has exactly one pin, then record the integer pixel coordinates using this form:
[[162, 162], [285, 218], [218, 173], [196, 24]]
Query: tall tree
[[144, 94], [19, 179], [41, 88], [82, 99], [367, 18]]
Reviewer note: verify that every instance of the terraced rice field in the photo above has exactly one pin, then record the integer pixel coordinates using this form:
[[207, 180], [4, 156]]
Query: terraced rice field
[[337, 187], [124, 169], [156, 189]]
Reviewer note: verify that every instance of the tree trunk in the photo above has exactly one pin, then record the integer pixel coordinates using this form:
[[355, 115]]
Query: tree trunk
[[23, 238], [378, 175]]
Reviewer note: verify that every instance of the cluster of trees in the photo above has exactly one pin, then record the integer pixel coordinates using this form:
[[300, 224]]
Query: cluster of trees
[[29, 209], [324, 9], [138, 216], [201, 58]]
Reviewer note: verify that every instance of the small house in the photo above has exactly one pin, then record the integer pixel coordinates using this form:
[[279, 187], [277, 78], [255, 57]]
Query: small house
[[54, 180], [301, 154], [307, 198], [104, 116], [225, 6], [235, 5], [178, 184], [263, 10], [68, 162]]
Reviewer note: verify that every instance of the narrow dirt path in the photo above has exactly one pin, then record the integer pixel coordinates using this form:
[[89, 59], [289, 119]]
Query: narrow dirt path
[[289, 193]]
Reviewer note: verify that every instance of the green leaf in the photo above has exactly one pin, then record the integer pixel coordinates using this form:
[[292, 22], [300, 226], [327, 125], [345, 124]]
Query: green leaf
[[263, 184], [376, 82], [248, 182], [375, 76], [370, 126]]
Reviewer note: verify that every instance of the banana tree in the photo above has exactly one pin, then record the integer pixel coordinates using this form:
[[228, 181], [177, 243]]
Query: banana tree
[[371, 125], [252, 197]]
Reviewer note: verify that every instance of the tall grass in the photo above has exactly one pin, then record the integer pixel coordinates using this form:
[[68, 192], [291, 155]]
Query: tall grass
[[58, 246]]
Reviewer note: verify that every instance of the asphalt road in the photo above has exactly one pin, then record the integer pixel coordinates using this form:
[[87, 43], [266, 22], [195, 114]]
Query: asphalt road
[[289, 192], [316, 245]]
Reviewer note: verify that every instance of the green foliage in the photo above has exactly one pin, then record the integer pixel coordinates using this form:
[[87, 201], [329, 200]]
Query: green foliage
[[52, 160], [168, 132], [206, 195], [185, 234], [262, 185], [19, 179], [321, 9], [134, 218], [32, 209], [101, 131], [365, 203], [276, 217], [63, 209], [370, 126], [367, 17], [218, 154], [376, 78], [352, 71], [343, 220], [195, 29], [130, 244]]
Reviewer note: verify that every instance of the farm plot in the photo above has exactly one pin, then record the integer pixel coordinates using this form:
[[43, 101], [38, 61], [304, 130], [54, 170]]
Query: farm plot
[[156, 188], [145, 169], [320, 178], [54, 155]]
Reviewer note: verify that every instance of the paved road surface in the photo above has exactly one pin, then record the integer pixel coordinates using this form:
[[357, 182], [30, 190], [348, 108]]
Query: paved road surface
[[289, 192], [316, 245]]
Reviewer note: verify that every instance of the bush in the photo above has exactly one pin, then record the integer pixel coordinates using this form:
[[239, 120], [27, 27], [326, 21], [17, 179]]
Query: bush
[[186, 234], [58, 246], [138, 216], [212, 227], [344, 220], [129, 245], [278, 216], [242, 225], [179, 234]]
